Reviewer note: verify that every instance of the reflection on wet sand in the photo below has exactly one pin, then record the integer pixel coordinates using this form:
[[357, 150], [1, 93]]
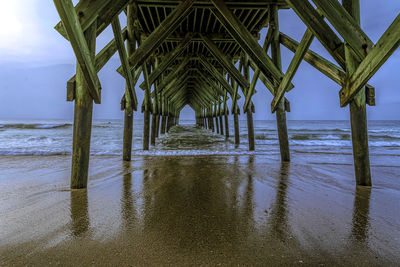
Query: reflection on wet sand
[[202, 210], [197, 206], [79, 212], [128, 211], [278, 219], [360, 222]]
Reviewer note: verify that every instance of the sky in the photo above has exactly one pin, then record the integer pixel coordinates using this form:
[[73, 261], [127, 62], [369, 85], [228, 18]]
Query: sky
[[36, 62]]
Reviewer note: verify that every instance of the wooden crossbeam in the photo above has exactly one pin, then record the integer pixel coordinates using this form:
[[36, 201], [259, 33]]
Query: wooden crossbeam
[[136, 76], [87, 12], [214, 72], [103, 11], [175, 85], [131, 99], [332, 71], [211, 83], [315, 22], [168, 60], [235, 86], [292, 69], [269, 85], [168, 79], [250, 92], [243, 37], [378, 55], [101, 59], [224, 61], [158, 36], [211, 95], [147, 97], [72, 26], [346, 26]]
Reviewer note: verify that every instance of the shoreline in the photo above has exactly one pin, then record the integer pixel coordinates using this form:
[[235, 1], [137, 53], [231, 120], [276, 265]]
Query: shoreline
[[168, 210]]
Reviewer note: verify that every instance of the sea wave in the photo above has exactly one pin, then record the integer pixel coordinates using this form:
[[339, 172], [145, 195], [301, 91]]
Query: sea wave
[[23, 126], [33, 153]]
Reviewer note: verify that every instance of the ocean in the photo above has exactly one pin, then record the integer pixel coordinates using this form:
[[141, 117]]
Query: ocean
[[197, 198], [322, 138]]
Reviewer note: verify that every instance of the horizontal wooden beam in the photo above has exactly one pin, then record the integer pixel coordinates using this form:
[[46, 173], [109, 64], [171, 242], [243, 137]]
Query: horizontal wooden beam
[[74, 31], [378, 55], [253, 4]]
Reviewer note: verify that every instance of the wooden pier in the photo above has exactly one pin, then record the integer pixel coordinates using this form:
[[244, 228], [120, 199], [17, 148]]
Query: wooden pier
[[199, 53]]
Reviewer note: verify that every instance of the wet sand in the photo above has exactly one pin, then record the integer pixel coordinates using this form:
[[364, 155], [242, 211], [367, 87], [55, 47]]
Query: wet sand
[[197, 210]]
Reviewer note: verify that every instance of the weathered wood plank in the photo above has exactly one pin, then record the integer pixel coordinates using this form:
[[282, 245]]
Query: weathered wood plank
[[358, 111], [253, 4], [346, 26], [72, 26], [101, 59], [131, 99], [315, 22], [281, 110], [83, 110], [168, 60], [292, 69], [103, 11], [250, 92], [213, 71], [332, 71], [224, 61], [243, 37], [168, 25], [168, 79], [378, 55]]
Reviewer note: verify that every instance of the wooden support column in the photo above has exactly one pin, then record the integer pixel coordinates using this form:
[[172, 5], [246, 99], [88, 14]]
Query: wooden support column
[[153, 127], [216, 123], [147, 110], [358, 111], [155, 111], [280, 108], [128, 118], [226, 118], [225, 111], [83, 108], [158, 125], [211, 120], [221, 122], [235, 112], [249, 111], [163, 124], [146, 130], [236, 125]]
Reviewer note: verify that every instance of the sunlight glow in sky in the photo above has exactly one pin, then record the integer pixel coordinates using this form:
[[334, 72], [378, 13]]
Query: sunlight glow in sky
[[20, 32], [10, 24]]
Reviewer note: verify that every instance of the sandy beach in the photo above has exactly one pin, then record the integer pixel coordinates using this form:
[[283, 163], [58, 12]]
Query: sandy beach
[[197, 210]]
